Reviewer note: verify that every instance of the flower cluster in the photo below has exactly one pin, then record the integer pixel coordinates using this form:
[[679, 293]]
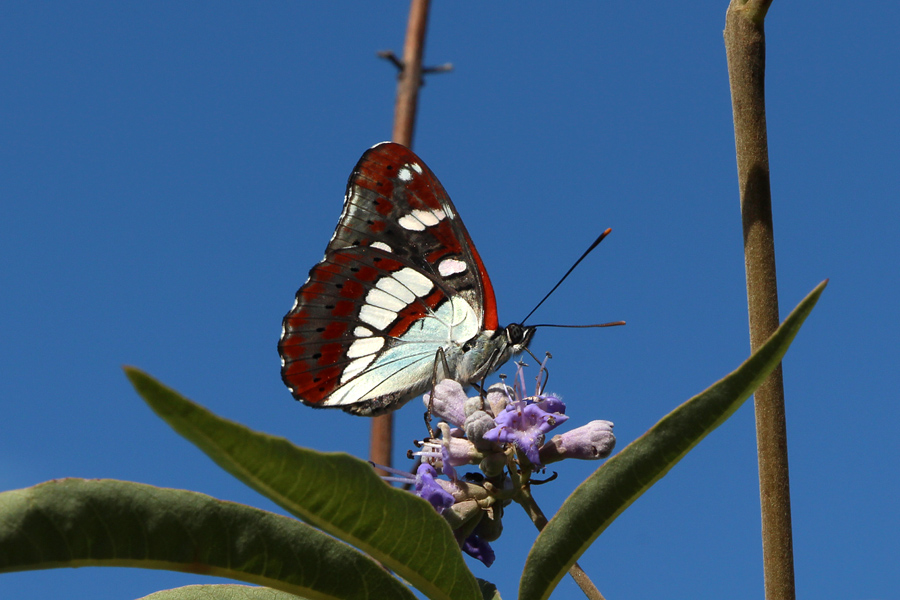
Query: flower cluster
[[505, 434]]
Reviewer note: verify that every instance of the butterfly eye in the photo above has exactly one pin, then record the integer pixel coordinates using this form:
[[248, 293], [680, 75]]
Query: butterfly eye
[[515, 333], [518, 335]]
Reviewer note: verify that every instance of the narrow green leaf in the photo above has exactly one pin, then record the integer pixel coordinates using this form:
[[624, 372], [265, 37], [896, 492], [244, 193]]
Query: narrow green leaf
[[619, 482], [489, 591], [103, 522], [335, 492], [221, 592]]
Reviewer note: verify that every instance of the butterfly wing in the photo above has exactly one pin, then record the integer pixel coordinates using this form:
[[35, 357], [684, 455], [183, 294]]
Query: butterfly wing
[[400, 280]]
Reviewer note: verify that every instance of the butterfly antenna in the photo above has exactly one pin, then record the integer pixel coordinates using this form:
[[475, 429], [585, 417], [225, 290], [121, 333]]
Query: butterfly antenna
[[572, 268], [613, 324]]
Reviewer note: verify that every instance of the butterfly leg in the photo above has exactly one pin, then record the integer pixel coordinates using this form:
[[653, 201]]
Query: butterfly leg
[[492, 366], [482, 391], [440, 362]]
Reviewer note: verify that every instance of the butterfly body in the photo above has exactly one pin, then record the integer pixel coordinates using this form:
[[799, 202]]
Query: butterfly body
[[401, 286]]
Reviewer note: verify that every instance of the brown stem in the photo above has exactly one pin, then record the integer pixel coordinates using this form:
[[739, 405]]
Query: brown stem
[[745, 50], [381, 442], [411, 74]]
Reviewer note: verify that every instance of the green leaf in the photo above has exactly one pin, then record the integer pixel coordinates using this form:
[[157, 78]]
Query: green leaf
[[221, 592], [619, 482], [489, 591], [335, 492], [103, 522]]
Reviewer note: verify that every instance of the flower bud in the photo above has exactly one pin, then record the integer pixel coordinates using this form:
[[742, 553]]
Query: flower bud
[[462, 513], [588, 442], [477, 424], [490, 527], [498, 396], [492, 464], [474, 404], [449, 402]]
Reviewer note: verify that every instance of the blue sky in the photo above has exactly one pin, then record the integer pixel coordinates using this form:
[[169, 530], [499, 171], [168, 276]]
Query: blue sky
[[171, 171]]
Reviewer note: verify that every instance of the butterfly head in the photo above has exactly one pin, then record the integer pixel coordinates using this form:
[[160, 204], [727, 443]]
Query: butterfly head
[[488, 351], [518, 336]]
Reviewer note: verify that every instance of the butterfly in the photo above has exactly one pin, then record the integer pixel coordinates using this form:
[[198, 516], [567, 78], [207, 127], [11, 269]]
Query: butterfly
[[400, 295]]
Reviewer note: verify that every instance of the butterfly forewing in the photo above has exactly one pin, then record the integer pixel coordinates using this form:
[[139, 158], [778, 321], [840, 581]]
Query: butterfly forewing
[[395, 203], [400, 280]]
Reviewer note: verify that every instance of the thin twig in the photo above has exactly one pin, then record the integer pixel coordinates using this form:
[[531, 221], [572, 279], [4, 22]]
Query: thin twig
[[745, 49], [410, 79], [389, 56]]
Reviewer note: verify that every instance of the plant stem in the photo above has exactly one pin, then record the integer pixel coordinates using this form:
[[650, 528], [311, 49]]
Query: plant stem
[[537, 516], [411, 74], [382, 442], [745, 50]]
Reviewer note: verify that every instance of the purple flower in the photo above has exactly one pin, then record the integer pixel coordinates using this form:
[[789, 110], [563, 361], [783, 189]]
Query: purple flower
[[525, 424], [588, 442], [428, 488], [477, 548], [478, 423]]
